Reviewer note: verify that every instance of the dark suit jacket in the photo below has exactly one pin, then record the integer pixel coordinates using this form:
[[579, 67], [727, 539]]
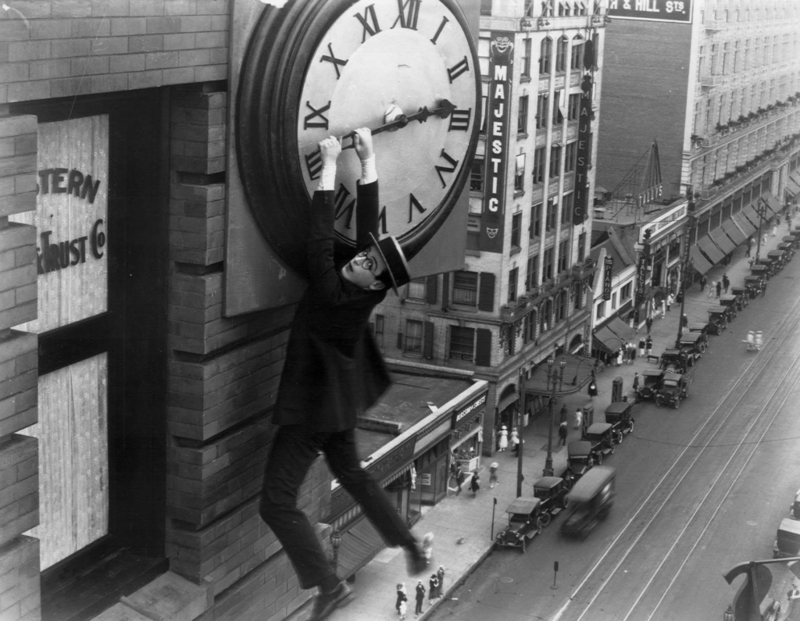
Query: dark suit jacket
[[333, 370]]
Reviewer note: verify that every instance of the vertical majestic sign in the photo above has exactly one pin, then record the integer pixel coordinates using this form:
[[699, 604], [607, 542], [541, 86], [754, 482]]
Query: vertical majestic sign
[[501, 59], [584, 152], [641, 271], [608, 263]]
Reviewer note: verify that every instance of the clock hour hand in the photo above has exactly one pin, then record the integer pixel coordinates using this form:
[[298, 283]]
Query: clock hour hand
[[445, 108]]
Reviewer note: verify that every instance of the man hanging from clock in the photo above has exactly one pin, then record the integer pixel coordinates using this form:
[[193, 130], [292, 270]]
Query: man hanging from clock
[[334, 372]]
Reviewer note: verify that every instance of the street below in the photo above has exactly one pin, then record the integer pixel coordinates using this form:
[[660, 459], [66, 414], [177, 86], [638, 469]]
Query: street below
[[698, 490]]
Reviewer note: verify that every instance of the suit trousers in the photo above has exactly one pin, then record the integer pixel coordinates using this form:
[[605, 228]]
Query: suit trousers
[[294, 450]]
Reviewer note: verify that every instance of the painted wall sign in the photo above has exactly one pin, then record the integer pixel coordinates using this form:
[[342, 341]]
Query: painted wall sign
[[501, 59], [70, 218], [659, 10], [608, 264]]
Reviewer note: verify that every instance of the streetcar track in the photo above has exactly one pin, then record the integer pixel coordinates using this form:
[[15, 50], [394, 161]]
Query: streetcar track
[[792, 368], [742, 384]]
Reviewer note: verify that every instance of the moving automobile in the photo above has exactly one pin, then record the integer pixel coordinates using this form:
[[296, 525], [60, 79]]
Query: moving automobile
[[787, 539], [590, 501]]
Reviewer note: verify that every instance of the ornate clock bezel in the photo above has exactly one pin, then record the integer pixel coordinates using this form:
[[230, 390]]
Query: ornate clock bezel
[[273, 73]]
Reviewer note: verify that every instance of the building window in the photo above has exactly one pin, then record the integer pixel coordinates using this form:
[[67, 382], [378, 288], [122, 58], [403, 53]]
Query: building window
[[516, 224], [625, 293], [513, 278], [526, 59], [465, 288], [538, 165], [569, 157], [545, 56], [536, 221], [581, 246], [484, 106], [555, 161], [462, 343], [601, 310], [519, 173], [567, 204], [416, 289], [558, 117], [614, 301], [474, 233], [522, 115], [563, 255], [550, 216], [578, 299], [561, 306], [413, 344], [532, 278], [574, 107], [561, 54], [476, 176], [548, 264], [576, 58], [541, 111]]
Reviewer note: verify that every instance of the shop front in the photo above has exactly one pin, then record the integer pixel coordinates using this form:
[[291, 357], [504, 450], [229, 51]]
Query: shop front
[[466, 440]]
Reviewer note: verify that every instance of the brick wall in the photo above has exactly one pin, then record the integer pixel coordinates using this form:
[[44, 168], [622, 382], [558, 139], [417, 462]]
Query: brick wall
[[82, 47], [19, 461], [223, 377]]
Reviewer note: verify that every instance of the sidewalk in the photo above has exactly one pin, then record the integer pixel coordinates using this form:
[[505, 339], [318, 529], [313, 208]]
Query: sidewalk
[[462, 525]]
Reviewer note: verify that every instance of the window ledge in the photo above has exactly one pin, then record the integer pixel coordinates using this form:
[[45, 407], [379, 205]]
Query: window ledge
[[518, 193], [514, 250]]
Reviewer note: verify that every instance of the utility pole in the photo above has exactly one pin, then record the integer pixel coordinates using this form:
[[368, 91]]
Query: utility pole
[[686, 262], [520, 418], [761, 211]]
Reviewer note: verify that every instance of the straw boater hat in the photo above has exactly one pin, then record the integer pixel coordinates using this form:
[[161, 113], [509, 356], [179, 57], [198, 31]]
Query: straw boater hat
[[392, 254]]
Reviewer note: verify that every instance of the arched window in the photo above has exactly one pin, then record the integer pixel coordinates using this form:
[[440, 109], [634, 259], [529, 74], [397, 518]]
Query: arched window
[[576, 57], [561, 54], [545, 56]]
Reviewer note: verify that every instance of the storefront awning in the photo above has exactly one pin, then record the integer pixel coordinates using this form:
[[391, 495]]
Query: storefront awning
[[723, 241], [577, 373], [750, 213], [605, 340], [710, 249], [744, 224], [733, 232], [793, 186], [700, 263], [621, 329], [773, 203]]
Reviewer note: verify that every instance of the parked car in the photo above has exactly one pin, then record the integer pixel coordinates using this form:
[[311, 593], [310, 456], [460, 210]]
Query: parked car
[[651, 384], [694, 346], [675, 360], [552, 491], [741, 294], [717, 319], [754, 285], [700, 328], [620, 416], [729, 302], [601, 436], [590, 501], [787, 539], [579, 459], [674, 389], [525, 521]]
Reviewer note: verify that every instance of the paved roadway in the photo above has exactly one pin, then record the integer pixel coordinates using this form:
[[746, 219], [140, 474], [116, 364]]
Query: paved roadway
[[699, 489]]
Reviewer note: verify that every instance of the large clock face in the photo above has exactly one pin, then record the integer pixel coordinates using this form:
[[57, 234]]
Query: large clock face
[[319, 68]]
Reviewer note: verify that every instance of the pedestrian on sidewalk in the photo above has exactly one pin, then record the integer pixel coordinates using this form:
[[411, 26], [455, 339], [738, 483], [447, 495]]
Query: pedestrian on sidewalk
[[563, 413], [493, 474], [703, 282], [712, 288], [620, 356], [440, 575], [684, 321], [475, 484], [764, 238], [502, 444], [649, 323], [793, 608], [433, 589], [641, 346], [631, 353], [750, 243], [562, 433], [401, 598], [515, 442], [648, 346], [670, 301], [427, 547], [725, 282], [663, 308], [632, 320], [458, 474], [578, 418], [719, 288], [775, 226], [635, 382], [420, 597]]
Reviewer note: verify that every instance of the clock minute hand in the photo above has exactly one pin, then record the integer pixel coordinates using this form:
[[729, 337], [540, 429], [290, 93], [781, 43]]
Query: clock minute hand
[[444, 109]]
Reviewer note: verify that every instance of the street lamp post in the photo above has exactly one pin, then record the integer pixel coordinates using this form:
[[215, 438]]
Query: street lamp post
[[686, 263], [761, 210], [554, 377], [520, 420]]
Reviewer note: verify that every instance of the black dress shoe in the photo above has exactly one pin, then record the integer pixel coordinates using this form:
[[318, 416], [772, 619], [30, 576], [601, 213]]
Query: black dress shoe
[[326, 603], [416, 562]]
